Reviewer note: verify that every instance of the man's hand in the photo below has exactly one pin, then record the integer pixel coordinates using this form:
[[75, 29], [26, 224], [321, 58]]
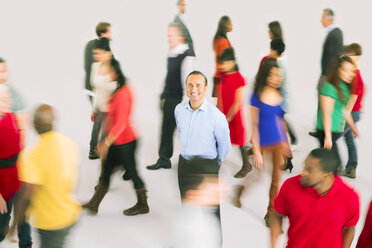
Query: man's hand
[[93, 116]]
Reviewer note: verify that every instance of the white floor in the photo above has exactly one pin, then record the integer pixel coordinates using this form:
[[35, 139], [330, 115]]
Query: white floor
[[47, 68]]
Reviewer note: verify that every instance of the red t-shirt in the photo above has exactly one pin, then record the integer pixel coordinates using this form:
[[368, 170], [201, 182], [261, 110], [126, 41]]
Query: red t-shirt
[[317, 221], [365, 238], [9, 147], [358, 90], [118, 116]]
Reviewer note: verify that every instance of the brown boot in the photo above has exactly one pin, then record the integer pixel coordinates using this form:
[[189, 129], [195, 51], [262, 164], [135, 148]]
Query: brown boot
[[247, 167], [235, 201], [141, 206], [94, 202]]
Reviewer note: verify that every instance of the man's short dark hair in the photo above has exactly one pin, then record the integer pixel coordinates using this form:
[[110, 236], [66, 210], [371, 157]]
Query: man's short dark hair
[[2, 60], [328, 160], [277, 45], [102, 28], [329, 12], [198, 73]]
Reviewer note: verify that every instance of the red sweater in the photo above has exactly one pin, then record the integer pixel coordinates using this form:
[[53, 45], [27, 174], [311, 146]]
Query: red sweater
[[9, 147], [118, 117]]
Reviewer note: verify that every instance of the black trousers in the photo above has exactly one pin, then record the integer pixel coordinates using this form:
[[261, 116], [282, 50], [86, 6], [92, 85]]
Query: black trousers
[[335, 137], [167, 129], [122, 155]]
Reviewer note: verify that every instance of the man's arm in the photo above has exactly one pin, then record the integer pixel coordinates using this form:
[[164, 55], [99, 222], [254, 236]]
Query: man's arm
[[222, 134], [275, 227], [348, 236]]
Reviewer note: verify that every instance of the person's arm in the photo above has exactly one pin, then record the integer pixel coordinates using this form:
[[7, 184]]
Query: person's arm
[[236, 105], [222, 135], [276, 221], [326, 106], [255, 140], [3, 208], [348, 236]]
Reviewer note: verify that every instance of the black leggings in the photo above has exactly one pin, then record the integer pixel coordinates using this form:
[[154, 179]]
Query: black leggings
[[122, 155]]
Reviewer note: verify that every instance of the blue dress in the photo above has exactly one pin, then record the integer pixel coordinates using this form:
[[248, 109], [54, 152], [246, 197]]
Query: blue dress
[[270, 122]]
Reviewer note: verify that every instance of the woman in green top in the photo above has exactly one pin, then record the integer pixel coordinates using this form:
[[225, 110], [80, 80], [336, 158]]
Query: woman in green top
[[333, 98]]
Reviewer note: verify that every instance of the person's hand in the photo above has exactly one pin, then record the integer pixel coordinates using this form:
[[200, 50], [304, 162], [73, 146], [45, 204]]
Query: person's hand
[[3, 208], [228, 118], [328, 143], [93, 116], [258, 160], [102, 149], [355, 133]]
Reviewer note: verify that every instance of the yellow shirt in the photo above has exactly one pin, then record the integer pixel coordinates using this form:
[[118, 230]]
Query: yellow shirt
[[52, 166]]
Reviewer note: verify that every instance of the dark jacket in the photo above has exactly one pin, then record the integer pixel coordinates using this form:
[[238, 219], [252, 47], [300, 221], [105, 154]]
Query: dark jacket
[[332, 48]]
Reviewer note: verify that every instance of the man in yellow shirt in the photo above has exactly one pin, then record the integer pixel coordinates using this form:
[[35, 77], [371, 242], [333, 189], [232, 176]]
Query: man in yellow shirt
[[49, 171]]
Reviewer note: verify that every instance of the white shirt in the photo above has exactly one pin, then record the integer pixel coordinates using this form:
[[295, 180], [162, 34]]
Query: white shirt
[[103, 88]]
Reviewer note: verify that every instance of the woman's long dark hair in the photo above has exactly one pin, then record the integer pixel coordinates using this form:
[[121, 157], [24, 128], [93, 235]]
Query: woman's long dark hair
[[262, 75], [222, 28], [120, 78], [333, 75], [276, 30]]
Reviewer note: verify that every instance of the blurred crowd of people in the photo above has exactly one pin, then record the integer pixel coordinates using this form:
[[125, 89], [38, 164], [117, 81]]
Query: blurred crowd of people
[[39, 182]]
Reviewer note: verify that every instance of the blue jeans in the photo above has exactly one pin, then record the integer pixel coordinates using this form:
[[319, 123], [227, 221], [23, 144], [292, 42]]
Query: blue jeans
[[349, 139], [24, 231]]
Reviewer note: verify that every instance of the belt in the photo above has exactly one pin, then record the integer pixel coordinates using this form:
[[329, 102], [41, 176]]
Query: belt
[[8, 162]]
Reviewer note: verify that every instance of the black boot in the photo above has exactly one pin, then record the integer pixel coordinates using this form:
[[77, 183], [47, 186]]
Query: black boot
[[96, 199], [288, 165], [126, 176], [93, 154], [141, 206], [247, 167]]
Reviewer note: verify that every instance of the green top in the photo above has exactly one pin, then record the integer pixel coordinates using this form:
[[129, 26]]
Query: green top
[[338, 118]]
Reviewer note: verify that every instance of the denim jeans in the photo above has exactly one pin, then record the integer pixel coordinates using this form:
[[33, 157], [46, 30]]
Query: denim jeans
[[100, 117], [351, 147], [24, 231]]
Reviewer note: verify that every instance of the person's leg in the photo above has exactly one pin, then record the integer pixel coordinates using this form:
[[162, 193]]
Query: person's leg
[[291, 132], [53, 239], [99, 116], [247, 167], [351, 147], [335, 137], [4, 220], [24, 230]]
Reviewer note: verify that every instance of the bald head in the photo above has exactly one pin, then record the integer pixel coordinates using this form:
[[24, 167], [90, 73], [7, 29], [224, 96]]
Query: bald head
[[43, 118]]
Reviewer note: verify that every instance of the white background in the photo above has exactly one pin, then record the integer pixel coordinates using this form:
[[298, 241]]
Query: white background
[[43, 43]]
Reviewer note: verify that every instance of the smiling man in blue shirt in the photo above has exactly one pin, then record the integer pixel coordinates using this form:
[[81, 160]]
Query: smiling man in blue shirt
[[205, 141]]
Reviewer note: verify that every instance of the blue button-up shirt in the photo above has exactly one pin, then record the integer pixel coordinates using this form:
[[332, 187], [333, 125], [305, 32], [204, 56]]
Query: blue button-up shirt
[[201, 129]]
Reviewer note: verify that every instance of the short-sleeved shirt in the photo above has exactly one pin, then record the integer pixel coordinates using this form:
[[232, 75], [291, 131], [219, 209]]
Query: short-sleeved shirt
[[314, 220], [52, 166], [358, 90], [270, 122], [338, 118]]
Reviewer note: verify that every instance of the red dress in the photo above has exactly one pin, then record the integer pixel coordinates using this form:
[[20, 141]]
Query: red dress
[[230, 83], [9, 147]]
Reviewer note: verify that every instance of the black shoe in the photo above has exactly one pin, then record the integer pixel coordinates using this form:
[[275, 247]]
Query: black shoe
[[93, 153], [159, 165], [289, 165], [126, 176], [314, 134]]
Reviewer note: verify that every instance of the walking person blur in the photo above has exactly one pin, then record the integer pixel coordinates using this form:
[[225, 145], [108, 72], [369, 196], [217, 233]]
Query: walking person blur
[[181, 62], [103, 30], [220, 43], [103, 85], [354, 51], [334, 95], [365, 238], [119, 146], [231, 104], [268, 126], [322, 210], [49, 173], [275, 30], [179, 18]]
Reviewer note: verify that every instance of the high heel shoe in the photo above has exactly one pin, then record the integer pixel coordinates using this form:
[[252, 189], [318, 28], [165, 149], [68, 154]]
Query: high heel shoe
[[289, 165]]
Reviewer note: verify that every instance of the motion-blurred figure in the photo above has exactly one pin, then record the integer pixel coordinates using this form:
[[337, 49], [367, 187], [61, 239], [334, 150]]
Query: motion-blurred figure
[[49, 172], [365, 238], [322, 210], [119, 145], [204, 133], [275, 30], [103, 29], [179, 18], [220, 43], [181, 61], [354, 51]]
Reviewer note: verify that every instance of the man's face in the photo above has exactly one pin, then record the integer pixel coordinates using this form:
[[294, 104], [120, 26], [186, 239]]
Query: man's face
[[6, 101], [174, 37], [108, 34], [196, 88], [4, 74], [182, 6], [312, 174], [326, 20]]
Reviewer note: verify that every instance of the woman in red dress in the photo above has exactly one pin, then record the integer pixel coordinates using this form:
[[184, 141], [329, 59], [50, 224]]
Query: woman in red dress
[[230, 103]]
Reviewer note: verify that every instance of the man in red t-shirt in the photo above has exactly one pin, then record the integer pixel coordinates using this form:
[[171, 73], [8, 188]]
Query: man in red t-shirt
[[365, 238], [322, 210]]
